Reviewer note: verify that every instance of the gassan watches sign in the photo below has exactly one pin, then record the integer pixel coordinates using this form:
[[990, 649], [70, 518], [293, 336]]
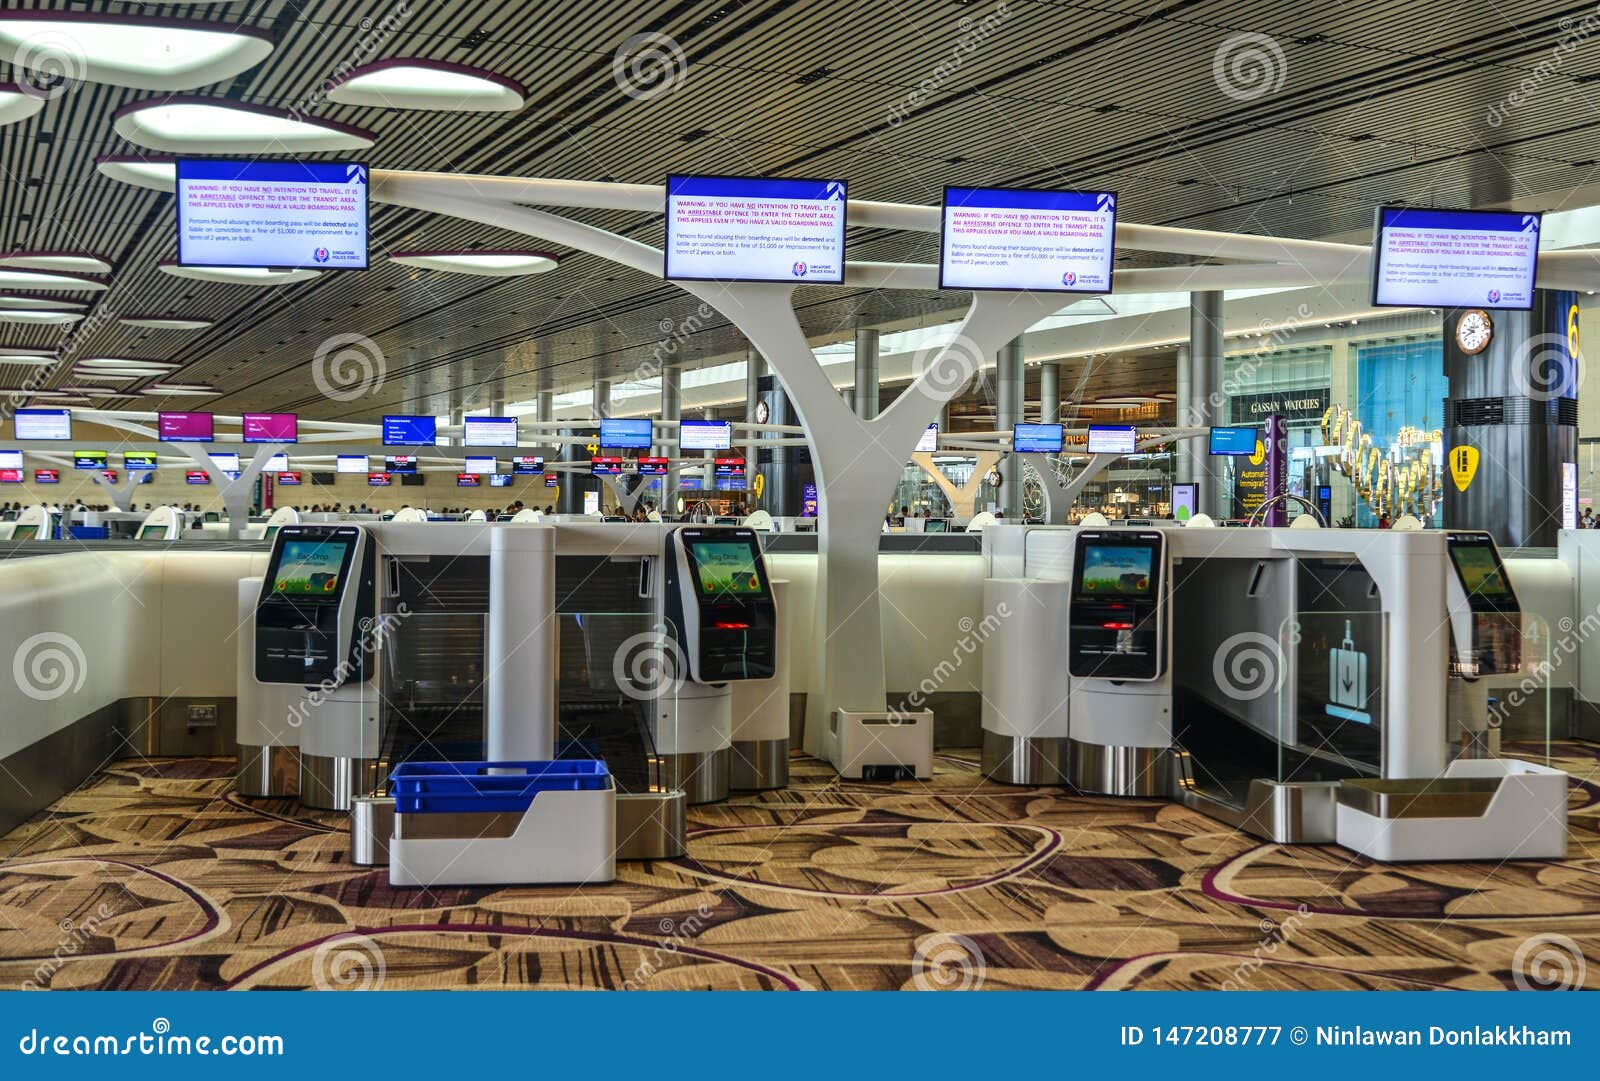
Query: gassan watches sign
[[1307, 404]]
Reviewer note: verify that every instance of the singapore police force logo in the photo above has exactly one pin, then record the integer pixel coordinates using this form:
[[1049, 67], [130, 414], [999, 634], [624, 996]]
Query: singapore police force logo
[[1069, 278], [320, 255], [1494, 296], [799, 270]]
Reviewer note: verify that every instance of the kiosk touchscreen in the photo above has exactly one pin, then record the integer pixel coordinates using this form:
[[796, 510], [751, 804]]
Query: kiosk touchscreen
[[1485, 617], [319, 582], [719, 601], [1115, 613]]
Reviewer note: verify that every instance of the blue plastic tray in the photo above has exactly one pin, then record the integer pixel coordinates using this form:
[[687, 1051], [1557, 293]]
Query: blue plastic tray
[[443, 787]]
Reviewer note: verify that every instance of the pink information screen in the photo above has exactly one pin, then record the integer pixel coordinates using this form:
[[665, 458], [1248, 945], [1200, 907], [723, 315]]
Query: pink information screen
[[186, 427], [271, 428]]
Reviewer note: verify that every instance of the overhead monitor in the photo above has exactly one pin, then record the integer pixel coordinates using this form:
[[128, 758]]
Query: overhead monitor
[[929, 442], [478, 465], [409, 431], [42, 476], [278, 463], [500, 480], [90, 460], [527, 464], [400, 463], [728, 467], [552, 480], [185, 427], [351, 463], [270, 428], [653, 467], [1112, 439], [605, 466], [625, 434], [378, 480], [227, 461], [42, 423], [272, 214], [1425, 258], [1040, 241], [705, 435], [10, 459], [14, 476], [289, 478], [136, 462], [489, 432], [109, 474], [728, 228], [1234, 440], [468, 480], [196, 476], [1036, 438]]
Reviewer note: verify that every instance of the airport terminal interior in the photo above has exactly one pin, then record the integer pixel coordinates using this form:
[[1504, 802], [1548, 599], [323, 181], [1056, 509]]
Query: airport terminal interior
[[754, 495]]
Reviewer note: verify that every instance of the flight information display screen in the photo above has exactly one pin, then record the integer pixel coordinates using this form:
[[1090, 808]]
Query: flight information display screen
[[42, 423], [14, 476], [10, 459], [270, 428], [138, 463], [1112, 439], [726, 568], [1117, 570], [1234, 440], [478, 464], [351, 463], [1041, 241], [40, 476], [90, 460], [272, 214], [705, 435], [409, 431], [186, 427], [729, 228], [629, 434], [489, 431], [400, 463], [527, 464], [1425, 258], [1036, 438], [310, 568]]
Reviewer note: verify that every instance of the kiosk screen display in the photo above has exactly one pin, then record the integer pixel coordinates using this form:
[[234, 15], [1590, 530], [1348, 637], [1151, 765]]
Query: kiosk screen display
[[726, 568], [310, 568], [1481, 574], [153, 532], [1117, 570], [24, 532]]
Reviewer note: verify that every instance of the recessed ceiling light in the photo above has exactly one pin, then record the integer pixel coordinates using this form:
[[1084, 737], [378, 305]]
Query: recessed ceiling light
[[500, 263], [17, 104], [125, 362], [34, 316], [75, 262], [144, 52], [25, 356], [179, 390], [428, 84], [47, 279], [164, 322], [161, 174], [94, 376], [55, 397], [54, 304], [220, 126], [240, 275]]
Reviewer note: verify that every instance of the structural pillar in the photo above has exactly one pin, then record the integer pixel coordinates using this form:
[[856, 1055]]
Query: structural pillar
[[1008, 403], [671, 413], [866, 389], [1049, 393], [1205, 397], [754, 368]]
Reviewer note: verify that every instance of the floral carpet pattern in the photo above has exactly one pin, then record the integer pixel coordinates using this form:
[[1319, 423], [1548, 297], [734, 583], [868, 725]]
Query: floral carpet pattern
[[155, 875]]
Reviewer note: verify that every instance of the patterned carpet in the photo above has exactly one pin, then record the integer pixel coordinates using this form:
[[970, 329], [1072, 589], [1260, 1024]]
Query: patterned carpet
[[155, 876]]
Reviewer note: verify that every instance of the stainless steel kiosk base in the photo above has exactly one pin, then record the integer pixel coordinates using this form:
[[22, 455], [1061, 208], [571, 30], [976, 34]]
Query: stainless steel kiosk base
[[267, 772], [759, 764], [332, 783], [1025, 759], [702, 776], [1120, 771]]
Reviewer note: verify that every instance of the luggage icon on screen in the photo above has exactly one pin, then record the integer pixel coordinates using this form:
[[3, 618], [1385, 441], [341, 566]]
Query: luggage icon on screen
[[1347, 680]]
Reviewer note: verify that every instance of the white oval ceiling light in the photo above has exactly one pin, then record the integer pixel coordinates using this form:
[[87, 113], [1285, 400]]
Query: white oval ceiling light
[[53, 304], [159, 174], [193, 125], [22, 354], [238, 275], [127, 362], [164, 322], [142, 52], [179, 390], [33, 316], [17, 104], [15, 278], [428, 84], [502, 263], [74, 262]]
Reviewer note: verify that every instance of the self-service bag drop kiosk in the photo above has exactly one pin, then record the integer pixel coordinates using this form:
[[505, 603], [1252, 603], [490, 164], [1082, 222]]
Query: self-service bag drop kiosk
[[314, 620], [716, 603]]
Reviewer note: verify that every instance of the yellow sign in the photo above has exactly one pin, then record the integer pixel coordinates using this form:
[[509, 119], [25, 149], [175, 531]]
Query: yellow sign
[[1260, 454], [593, 449], [1463, 466], [758, 485]]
